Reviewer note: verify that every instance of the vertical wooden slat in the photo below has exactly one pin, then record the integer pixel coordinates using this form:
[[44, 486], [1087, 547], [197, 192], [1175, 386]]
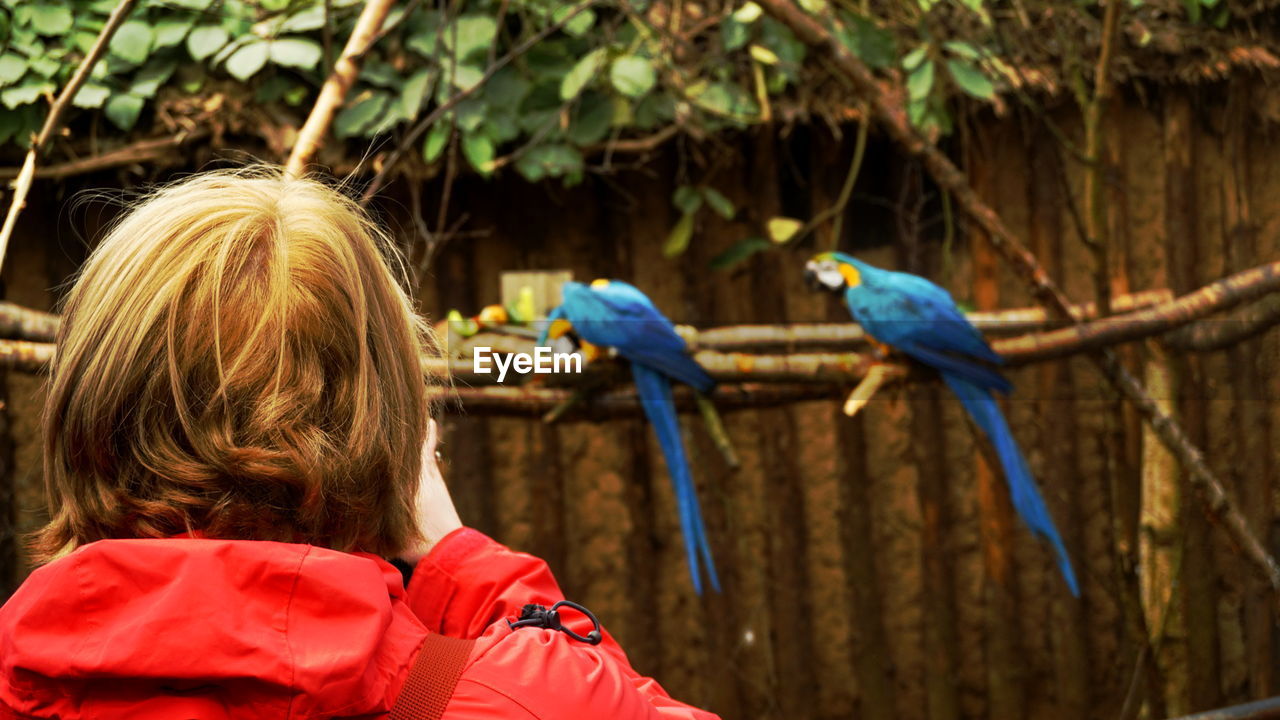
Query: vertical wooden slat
[[1198, 571], [1253, 470], [1005, 665], [1053, 399]]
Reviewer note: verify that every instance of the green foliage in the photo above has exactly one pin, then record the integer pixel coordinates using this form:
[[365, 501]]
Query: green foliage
[[609, 71]]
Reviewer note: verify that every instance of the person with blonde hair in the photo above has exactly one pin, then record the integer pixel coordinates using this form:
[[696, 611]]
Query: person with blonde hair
[[237, 433]]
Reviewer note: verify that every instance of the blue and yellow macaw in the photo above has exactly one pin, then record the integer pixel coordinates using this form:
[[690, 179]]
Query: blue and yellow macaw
[[611, 313], [920, 320]]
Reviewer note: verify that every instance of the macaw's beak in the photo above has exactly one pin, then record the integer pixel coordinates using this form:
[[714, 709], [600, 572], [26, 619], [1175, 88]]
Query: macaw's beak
[[811, 276]]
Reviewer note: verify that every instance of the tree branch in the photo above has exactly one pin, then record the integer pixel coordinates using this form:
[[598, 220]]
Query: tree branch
[[149, 150], [334, 93], [53, 121], [888, 107], [536, 401]]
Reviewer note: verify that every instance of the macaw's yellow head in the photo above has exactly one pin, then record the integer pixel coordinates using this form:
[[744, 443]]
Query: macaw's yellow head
[[832, 271], [600, 283]]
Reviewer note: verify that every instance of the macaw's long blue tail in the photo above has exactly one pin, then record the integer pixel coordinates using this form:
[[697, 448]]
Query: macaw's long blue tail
[[1026, 497], [659, 406]]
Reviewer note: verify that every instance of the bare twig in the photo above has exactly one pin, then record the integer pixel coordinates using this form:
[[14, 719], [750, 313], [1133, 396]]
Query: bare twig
[[143, 151], [888, 106], [411, 137], [53, 121], [334, 93]]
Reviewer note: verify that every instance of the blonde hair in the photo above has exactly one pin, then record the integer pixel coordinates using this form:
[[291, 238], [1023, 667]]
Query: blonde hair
[[238, 357]]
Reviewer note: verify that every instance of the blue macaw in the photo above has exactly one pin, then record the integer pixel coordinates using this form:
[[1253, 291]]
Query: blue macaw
[[919, 319], [611, 313]]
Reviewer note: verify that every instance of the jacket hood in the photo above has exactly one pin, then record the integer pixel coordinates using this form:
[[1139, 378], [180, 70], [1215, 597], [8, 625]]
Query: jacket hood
[[201, 628]]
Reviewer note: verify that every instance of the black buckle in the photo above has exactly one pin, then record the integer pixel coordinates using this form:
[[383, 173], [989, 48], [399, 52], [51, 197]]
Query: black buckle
[[538, 616]]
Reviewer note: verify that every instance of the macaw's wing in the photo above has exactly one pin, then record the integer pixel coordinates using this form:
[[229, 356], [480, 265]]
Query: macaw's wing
[[626, 320], [920, 319]]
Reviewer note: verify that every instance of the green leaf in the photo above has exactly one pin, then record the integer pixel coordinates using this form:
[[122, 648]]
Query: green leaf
[[748, 13], [550, 161], [581, 74], [132, 42], [782, 229], [362, 115], [580, 24], [415, 92], [296, 52], [437, 138], [26, 93], [122, 110], [91, 96], [152, 75], [971, 80], [590, 121], [51, 18], [632, 76], [678, 241], [471, 33], [507, 89], [912, 60], [762, 54], [501, 126], [248, 60], [470, 113], [381, 74], [305, 20], [465, 77], [872, 44], [738, 253], [46, 67], [734, 33], [963, 49], [920, 81], [687, 199], [479, 151], [723, 98], [171, 31], [12, 68], [719, 203], [205, 41]]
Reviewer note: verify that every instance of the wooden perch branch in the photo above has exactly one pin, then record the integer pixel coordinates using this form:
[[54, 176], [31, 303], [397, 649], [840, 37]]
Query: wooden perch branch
[[888, 107], [27, 324], [334, 93], [23, 356], [1214, 297], [846, 336], [53, 121], [1215, 334], [535, 401]]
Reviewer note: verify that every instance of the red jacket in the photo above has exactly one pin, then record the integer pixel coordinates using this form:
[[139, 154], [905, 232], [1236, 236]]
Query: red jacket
[[190, 628]]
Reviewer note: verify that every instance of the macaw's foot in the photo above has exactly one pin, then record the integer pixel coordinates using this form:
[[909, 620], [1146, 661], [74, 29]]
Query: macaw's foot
[[879, 349], [877, 375]]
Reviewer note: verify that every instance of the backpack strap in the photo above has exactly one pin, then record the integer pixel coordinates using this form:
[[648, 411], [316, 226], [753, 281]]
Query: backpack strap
[[432, 678]]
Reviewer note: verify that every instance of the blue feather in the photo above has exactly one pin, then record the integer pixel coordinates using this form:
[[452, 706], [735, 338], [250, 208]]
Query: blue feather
[[618, 315], [659, 406], [1027, 500]]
